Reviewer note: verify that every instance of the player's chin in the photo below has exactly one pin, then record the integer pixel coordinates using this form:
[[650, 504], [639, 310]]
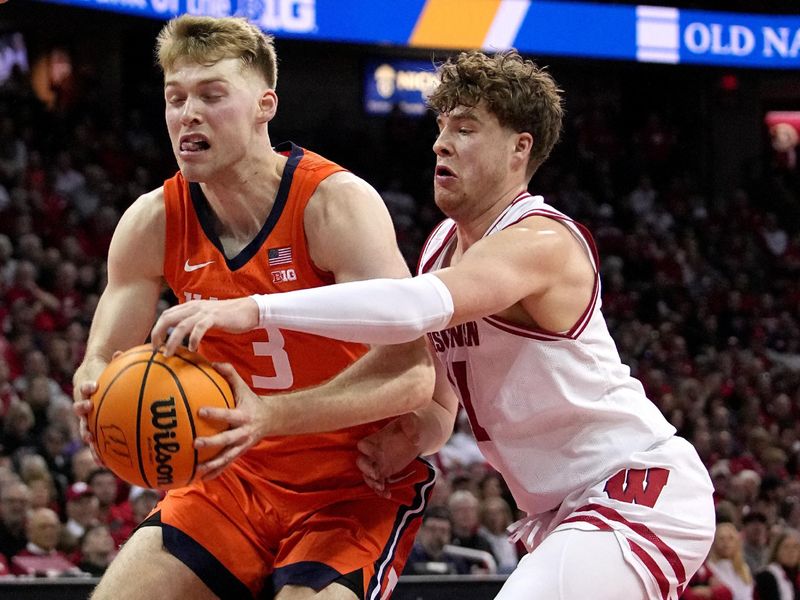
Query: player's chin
[[445, 200], [195, 171]]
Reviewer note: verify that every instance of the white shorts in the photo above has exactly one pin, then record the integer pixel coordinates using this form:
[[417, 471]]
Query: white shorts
[[664, 543]]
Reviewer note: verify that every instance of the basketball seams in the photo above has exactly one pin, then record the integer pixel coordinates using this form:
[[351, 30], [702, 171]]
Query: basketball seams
[[139, 420], [189, 414], [210, 378], [108, 389], [117, 393]]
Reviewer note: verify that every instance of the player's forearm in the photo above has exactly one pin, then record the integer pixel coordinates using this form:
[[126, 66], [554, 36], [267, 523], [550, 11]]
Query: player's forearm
[[386, 382], [435, 424], [377, 311], [137, 305]]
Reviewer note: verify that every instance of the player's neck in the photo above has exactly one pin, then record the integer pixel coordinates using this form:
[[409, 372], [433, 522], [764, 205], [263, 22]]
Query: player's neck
[[472, 226], [241, 198]]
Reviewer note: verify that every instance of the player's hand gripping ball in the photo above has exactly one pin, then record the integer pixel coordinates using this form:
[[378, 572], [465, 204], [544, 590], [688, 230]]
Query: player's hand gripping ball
[[145, 419]]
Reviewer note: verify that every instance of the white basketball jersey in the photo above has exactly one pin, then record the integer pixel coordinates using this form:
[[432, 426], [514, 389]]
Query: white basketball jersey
[[553, 412]]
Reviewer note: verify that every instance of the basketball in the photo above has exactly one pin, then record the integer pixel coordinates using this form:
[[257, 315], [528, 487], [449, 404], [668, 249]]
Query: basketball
[[145, 417]]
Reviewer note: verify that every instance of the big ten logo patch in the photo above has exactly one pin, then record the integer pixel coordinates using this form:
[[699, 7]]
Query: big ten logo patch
[[283, 275]]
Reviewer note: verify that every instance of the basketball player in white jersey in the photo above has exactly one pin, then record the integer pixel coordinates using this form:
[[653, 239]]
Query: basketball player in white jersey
[[509, 295]]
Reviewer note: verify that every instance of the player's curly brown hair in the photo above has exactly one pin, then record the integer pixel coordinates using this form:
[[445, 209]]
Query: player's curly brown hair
[[206, 40], [520, 94]]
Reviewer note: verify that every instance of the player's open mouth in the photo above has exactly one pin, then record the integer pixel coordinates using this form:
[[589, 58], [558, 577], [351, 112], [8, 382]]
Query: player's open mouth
[[442, 171], [194, 143]]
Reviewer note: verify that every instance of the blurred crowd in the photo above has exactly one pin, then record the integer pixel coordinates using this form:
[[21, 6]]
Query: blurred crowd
[[700, 291]]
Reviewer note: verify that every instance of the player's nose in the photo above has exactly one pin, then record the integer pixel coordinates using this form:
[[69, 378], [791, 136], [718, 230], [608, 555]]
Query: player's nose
[[190, 113], [441, 147]]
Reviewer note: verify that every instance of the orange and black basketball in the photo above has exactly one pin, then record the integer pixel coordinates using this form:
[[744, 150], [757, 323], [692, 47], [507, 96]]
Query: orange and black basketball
[[145, 417]]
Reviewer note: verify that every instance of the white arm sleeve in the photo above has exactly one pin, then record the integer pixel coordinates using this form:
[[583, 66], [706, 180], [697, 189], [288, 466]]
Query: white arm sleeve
[[375, 311]]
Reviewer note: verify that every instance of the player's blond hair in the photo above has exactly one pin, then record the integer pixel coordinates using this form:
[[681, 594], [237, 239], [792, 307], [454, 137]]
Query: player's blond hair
[[206, 40], [523, 96]]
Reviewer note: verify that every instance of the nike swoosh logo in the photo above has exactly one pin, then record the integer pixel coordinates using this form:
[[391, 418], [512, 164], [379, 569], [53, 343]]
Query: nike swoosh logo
[[189, 268]]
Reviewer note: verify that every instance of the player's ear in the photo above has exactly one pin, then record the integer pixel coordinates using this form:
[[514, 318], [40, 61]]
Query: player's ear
[[267, 106], [523, 146]]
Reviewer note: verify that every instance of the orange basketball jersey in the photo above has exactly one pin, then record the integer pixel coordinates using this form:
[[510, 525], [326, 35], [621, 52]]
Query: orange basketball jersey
[[269, 360]]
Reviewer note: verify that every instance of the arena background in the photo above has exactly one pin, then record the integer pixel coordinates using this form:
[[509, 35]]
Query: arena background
[[701, 275]]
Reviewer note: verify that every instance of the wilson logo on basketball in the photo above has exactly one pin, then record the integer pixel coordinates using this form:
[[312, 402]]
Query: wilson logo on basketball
[[145, 418], [163, 417]]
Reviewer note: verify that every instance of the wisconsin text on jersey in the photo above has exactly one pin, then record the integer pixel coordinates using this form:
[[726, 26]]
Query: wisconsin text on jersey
[[465, 334]]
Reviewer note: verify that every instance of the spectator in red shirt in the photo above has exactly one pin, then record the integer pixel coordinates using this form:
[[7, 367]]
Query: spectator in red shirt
[[105, 486], [40, 555], [141, 503], [82, 510]]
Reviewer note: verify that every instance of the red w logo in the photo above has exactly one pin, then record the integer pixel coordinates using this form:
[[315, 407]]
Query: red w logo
[[629, 486]]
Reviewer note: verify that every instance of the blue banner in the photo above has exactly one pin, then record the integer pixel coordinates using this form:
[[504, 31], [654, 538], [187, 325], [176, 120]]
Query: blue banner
[[540, 27], [577, 29], [739, 40]]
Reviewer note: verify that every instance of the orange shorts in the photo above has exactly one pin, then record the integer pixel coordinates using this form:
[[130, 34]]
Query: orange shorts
[[247, 537]]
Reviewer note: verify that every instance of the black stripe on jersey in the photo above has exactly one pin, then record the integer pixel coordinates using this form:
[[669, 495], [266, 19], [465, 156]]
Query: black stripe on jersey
[[206, 219], [204, 564], [307, 573], [406, 515]]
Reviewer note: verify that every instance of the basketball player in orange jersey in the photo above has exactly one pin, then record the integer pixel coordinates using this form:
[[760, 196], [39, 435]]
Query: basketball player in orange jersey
[[292, 517], [618, 506]]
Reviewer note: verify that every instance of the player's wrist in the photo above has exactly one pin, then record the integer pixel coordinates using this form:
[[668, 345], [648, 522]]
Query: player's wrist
[[262, 304]]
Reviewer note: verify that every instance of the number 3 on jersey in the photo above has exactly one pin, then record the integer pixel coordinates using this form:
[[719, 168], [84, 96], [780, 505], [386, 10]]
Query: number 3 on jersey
[[457, 374], [273, 348]]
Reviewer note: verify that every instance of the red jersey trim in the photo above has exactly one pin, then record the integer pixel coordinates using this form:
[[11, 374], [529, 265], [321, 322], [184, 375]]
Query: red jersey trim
[[641, 553], [669, 554], [426, 267], [539, 333]]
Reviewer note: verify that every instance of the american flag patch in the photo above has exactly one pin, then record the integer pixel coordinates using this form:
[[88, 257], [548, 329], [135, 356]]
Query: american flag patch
[[279, 256]]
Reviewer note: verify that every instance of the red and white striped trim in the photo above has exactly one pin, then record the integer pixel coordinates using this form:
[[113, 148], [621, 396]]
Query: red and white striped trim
[[532, 333], [538, 333], [522, 196], [605, 514], [428, 264]]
